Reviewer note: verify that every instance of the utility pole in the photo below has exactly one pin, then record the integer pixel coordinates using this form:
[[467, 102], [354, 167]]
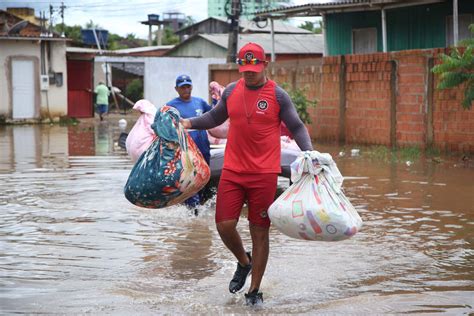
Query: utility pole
[[62, 7], [50, 28], [234, 15]]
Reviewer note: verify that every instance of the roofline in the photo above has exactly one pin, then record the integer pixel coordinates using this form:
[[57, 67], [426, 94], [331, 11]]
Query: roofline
[[203, 36], [34, 38], [318, 9], [192, 37], [200, 22]]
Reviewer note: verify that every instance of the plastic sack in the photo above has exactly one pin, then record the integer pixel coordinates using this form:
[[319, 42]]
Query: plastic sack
[[171, 170], [288, 143], [314, 206], [141, 135]]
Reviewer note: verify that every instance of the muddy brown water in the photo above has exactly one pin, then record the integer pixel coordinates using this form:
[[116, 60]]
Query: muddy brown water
[[70, 243]]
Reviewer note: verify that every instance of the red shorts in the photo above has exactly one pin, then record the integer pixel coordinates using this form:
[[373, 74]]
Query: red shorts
[[236, 188]]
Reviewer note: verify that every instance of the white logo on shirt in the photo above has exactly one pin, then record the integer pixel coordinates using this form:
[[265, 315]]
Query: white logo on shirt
[[198, 112]]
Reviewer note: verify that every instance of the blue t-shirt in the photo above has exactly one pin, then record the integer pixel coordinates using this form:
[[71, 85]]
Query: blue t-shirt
[[193, 108]]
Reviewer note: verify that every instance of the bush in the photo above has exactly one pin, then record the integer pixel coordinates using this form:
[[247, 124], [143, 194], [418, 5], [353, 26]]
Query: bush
[[301, 102], [457, 69], [134, 90]]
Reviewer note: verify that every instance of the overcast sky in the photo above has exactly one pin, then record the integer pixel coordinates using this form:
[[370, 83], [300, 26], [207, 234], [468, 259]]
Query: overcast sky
[[121, 16]]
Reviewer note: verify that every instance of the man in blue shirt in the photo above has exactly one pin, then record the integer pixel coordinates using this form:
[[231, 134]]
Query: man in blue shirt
[[188, 107]]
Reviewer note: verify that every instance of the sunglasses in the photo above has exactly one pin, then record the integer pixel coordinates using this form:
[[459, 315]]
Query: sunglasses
[[253, 61]]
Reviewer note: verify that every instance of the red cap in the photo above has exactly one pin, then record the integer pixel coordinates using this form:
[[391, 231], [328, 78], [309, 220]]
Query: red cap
[[248, 52]]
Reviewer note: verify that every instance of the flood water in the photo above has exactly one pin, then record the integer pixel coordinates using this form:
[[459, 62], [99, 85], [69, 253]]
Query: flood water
[[70, 243]]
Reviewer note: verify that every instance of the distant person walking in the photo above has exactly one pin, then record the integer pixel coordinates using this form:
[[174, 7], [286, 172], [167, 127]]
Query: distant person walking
[[102, 99]]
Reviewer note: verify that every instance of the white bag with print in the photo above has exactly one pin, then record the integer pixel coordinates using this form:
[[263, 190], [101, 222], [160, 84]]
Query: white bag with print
[[314, 206]]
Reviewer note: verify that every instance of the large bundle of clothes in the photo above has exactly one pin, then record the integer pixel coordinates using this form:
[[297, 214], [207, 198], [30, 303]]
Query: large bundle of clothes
[[171, 169], [314, 207]]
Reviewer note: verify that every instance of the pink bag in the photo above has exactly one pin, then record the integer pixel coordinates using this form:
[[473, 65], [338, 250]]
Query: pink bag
[[141, 135]]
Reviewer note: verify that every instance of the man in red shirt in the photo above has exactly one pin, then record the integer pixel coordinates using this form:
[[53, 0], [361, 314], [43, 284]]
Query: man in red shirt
[[255, 106]]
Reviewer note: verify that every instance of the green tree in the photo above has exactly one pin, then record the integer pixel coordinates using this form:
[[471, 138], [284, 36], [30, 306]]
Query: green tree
[[72, 32], [189, 21], [301, 102], [92, 25], [169, 38], [134, 90], [457, 69], [310, 26]]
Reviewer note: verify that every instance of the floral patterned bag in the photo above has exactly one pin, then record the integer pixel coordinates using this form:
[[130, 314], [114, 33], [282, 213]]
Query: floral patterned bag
[[171, 170], [314, 206]]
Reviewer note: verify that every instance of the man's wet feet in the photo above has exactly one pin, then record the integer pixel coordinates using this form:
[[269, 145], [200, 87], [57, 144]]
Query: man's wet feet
[[240, 276], [254, 298]]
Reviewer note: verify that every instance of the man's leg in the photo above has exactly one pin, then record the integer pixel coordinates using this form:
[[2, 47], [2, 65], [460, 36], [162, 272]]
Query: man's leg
[[231, 239], [260, 251], [261, 194], [230, 199]]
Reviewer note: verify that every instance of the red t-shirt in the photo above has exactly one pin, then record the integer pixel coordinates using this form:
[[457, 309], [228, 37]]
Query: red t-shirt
[[253, 141]]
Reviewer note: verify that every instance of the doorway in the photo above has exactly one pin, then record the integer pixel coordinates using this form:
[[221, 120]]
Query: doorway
[[23, 86]]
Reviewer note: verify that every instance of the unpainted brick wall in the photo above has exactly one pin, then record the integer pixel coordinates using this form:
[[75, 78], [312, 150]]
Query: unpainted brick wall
[[375, 87]]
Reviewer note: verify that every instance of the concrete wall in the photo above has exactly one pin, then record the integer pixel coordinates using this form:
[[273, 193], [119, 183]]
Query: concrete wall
[[54, 102], [57, 93], [161, 73]]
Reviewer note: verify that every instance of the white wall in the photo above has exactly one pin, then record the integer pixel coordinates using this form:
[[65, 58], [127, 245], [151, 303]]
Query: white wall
[[57, 95], [161, 73], [30, 49], [9, 49]]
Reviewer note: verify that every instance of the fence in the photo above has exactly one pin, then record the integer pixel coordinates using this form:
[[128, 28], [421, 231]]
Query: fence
[[383, 98]]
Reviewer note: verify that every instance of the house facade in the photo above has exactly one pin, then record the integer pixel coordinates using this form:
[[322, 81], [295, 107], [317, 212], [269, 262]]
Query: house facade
[[363, 26], [33, 84], [287, 46]]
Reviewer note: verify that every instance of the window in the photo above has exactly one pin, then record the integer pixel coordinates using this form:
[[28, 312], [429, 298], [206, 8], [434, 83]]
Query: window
[[464, 20], [364, 41]]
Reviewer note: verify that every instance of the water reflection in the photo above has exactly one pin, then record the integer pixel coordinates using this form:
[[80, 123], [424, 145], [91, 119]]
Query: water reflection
[[71, 244]]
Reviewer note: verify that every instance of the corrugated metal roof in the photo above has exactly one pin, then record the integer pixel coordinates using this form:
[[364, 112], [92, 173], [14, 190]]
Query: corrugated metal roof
[[252, 26], [284, 43], [133, 68], [315, 9], [278, 27], [143, 49]]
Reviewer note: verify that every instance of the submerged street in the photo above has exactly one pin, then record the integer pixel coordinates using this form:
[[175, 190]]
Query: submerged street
[[71, 243]]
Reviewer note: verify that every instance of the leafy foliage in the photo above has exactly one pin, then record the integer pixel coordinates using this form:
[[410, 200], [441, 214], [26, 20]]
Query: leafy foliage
[[134, 90], [301, 102], [72, 32], [169, 38], [313, 27], [457, 69], [114, 41]]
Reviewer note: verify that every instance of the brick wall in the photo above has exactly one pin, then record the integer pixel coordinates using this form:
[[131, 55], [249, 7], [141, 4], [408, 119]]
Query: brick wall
[[368, 99], [381, 98]]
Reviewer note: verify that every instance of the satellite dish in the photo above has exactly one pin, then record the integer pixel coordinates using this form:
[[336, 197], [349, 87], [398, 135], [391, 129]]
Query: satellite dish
[[15, 29]]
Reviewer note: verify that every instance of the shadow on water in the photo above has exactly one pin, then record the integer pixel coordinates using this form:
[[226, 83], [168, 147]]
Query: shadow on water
[[70, 243]]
